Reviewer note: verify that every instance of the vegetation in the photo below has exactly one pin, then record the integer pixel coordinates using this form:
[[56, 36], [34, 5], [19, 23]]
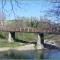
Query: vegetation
[[29, 37], [54, 11], [21, 39], [22, 22], [11, 44]]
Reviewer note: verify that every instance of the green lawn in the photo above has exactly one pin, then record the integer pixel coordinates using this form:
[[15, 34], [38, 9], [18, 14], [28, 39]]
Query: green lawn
[[28, 37], [11, 44]]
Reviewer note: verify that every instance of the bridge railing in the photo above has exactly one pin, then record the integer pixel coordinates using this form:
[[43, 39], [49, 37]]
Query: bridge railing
[[29, 29]]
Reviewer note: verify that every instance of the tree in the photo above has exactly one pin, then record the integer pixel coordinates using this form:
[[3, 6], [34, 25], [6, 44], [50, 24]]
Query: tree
[[2, 16], [17, 3], [34, 22], [45, 24], [55, 11], [2, 20]]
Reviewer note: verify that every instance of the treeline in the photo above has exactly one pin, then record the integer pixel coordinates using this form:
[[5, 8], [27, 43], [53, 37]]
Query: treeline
[[43, 22], [33, 22]]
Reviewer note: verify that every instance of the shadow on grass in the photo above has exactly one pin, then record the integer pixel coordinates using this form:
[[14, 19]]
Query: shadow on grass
[[2, 37], [22, 41], [48, 46]]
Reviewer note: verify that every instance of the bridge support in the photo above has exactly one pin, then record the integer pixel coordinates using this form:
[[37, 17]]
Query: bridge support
[[11, 36], [40, 41]]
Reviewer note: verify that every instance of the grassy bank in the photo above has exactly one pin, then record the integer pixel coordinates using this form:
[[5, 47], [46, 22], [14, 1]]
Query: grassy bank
[[22, 38], [11, 44], [26, 38]]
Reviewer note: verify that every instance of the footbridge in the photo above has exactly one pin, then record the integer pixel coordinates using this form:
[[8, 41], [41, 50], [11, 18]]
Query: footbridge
[[39, 31]]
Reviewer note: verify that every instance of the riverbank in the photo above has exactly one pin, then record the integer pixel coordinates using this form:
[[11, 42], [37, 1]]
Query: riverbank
[[19, 48], [28, 47], [52, 40]]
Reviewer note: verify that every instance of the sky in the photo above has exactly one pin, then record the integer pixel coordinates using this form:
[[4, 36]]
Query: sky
[[26, 9]]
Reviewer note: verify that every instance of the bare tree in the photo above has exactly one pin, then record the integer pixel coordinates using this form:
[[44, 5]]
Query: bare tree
[[54, 11], [2, 20], [17, 3], [2, 16]]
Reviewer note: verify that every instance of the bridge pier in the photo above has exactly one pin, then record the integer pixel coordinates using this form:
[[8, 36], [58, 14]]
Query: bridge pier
[[11, 36], [40, 41]]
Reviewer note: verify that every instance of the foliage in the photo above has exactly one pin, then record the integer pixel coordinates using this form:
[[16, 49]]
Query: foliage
[[3, 35], [28, 22]]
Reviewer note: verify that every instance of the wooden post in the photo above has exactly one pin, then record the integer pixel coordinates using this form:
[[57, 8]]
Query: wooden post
[[20, 29], [28, 29]]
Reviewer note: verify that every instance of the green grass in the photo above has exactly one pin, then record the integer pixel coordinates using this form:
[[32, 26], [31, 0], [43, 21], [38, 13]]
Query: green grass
[[30, 37], [11, 44]]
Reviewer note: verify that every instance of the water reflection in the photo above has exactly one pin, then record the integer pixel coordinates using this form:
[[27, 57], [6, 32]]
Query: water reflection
[[32, 54], [52, 54], [40, 54]]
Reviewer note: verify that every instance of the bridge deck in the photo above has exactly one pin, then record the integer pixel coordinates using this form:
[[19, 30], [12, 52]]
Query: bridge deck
[[30, 30]]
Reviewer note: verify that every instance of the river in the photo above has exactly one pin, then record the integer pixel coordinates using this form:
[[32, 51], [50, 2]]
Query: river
[[30, 55]]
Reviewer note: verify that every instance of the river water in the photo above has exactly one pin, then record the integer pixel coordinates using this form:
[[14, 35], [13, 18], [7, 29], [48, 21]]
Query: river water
[[31, 55]]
